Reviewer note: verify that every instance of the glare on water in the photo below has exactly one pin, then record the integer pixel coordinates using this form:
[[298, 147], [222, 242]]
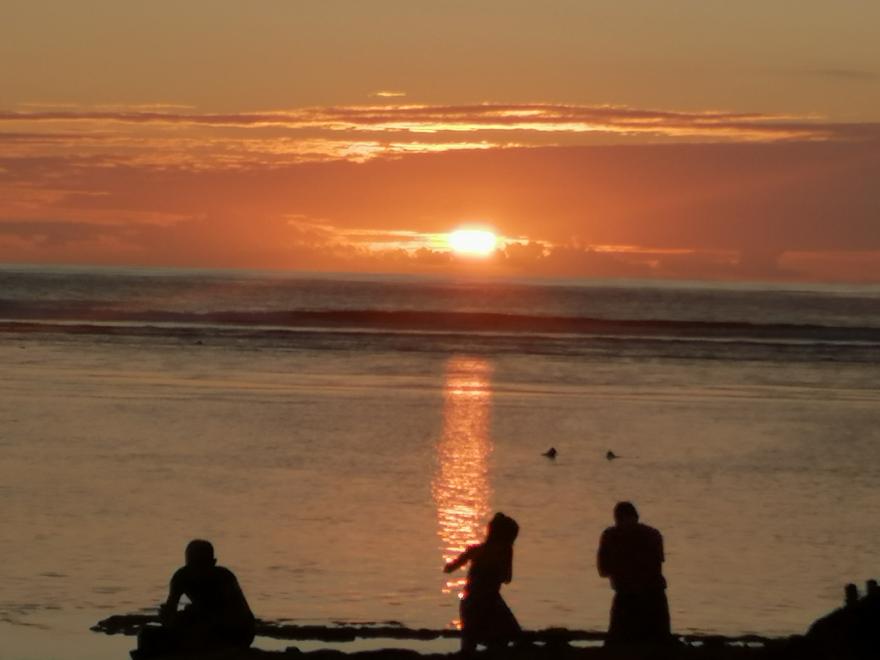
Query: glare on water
[[461, 485]]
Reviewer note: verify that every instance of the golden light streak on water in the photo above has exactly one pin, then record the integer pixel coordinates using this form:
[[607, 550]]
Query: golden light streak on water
[[461, 482]]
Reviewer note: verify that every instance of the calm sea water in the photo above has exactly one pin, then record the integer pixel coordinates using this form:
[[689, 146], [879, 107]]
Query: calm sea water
[[339, 439]]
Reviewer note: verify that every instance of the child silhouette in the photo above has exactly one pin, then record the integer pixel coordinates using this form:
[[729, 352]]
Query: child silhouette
[[485, 617]]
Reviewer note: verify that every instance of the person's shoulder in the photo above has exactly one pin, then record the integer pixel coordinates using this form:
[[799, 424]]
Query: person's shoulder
[[181, 575], [609, 537], [647, 530], [224, 574]]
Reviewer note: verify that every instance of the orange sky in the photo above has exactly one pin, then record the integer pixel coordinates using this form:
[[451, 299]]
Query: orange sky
[[600, 139]]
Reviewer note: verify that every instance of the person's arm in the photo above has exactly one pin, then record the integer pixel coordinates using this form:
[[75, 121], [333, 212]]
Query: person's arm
[[169, 608], [603, 563], [460, 561], [508, 567]]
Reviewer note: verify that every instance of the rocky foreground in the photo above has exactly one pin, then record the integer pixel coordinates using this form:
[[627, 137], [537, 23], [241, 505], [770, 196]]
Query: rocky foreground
[[522, 653], [548, 644]]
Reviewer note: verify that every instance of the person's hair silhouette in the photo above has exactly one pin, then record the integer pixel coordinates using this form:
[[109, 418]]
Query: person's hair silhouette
[[631, 556], [218, 614], [485, 617]]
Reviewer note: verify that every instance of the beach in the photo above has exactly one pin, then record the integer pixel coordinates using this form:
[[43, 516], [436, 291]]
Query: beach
[[337, 469]]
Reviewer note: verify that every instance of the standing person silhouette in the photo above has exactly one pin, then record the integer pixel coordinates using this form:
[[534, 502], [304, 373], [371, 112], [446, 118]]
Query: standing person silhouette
[[631, 556], [485, 617], [218, 615]]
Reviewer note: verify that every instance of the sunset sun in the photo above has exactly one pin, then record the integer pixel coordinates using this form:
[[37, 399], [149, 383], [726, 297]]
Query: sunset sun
[[472, 242]]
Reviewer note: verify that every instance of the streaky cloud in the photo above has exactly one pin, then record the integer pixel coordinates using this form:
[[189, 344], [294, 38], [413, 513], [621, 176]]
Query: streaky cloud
[[387, 94], [486, 117], [847, 75]]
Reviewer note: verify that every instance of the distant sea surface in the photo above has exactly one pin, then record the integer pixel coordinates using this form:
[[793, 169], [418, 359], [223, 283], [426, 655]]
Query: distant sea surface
[[339, 437]]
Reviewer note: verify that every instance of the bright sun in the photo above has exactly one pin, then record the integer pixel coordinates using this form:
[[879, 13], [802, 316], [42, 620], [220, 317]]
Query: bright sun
[[472, 242]]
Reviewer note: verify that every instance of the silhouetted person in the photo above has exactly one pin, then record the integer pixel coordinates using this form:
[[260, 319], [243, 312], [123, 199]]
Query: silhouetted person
[[850, 595], [550, 453], [631, 556], [868, 623], [485, 617], [218, 615], [851, 632]]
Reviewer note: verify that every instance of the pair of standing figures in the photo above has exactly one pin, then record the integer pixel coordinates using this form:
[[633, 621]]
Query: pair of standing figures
[[630, 555]]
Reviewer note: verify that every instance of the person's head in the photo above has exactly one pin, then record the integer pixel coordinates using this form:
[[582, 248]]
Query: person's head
[[851, 594], [200, 554], [502, 529], [871, 588], [625, 513]]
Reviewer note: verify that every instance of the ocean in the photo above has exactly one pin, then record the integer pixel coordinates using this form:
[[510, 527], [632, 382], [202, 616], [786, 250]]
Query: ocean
[[339, 437]]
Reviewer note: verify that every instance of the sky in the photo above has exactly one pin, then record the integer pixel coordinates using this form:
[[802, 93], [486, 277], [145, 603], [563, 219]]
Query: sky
[[684, 139]]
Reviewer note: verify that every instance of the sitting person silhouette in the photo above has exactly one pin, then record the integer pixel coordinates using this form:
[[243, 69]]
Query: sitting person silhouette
[[218, 615], [485, 617], [631, 556]]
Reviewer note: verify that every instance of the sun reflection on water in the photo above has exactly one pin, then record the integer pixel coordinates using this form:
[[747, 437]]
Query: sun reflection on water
[[461, 481]]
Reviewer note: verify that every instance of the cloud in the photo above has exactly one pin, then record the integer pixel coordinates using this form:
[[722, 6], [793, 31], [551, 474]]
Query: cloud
[[528, 118], [233, 152], [846, 75], [326, 249], [388, 94], [694, 210], [55, 233], [169, 137]]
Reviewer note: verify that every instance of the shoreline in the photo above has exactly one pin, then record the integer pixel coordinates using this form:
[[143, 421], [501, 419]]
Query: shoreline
[[536, 644], [128, 624]]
